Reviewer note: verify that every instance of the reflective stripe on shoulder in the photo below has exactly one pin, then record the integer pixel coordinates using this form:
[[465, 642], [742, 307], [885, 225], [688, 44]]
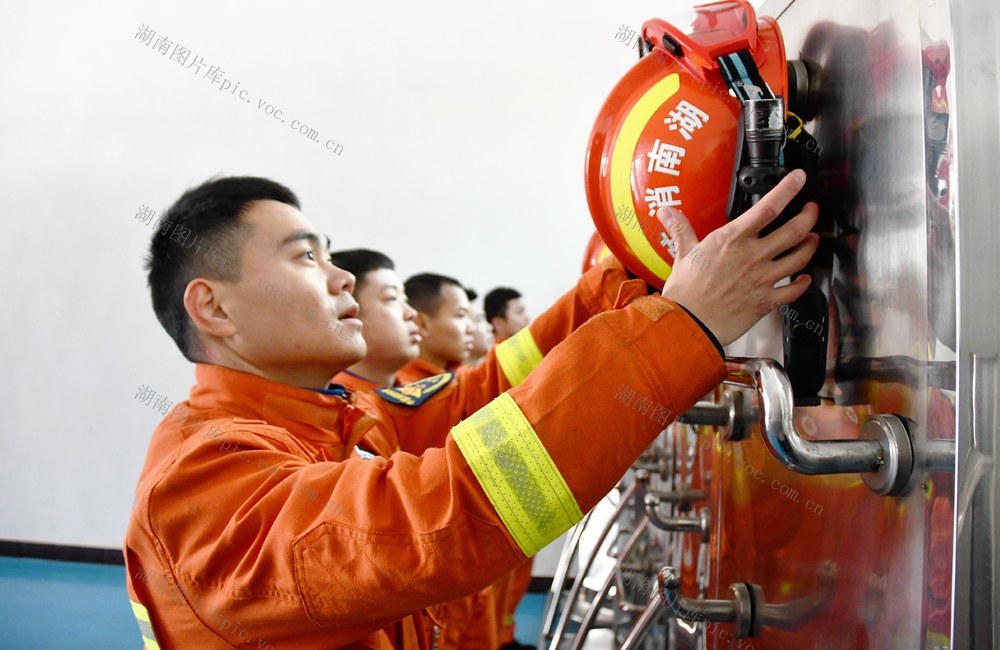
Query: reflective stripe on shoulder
[[517, 474], [145, 627], [518, 356]]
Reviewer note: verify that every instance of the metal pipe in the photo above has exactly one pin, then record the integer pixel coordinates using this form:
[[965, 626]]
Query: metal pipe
[[582, 574], [939, 455], [706, 413], [654, 609], [562, 570], [595, 605]]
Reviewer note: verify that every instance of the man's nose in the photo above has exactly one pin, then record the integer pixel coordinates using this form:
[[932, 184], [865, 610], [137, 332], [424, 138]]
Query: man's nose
[[339, 280]]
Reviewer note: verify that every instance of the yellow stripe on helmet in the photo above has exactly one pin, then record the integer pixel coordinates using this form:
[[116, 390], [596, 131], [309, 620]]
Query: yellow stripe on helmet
[[622, 159]]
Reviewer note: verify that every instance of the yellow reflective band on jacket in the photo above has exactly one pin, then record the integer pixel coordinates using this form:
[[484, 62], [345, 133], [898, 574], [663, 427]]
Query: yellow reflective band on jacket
[[517, 474], [518, 356], [145, 627]]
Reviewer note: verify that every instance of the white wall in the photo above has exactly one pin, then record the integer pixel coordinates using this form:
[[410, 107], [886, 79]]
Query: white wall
[[463, 128]]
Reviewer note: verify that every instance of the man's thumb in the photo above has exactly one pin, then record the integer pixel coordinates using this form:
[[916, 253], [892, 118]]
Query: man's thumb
[[682, 236]]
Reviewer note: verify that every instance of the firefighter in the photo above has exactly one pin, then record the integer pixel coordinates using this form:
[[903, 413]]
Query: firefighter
[[475, 621], [506, 312], [392, 337], [445, 322], [306, 537]]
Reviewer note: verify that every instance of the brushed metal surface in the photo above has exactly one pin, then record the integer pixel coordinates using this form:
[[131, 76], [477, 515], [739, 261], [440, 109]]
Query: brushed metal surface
[[889, 271]]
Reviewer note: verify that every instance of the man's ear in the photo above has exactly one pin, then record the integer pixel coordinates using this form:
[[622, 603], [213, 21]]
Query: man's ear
[[203, 305]]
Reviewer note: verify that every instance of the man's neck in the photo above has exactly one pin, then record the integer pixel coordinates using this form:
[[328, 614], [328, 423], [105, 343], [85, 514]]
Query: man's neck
[[304, 377], [435, 361], [379, 376]]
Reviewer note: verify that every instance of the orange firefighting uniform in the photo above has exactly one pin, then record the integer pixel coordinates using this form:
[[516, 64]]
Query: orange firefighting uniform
[[507, 594], [474, 622], [467, 623], [419, 369], [304, 541]]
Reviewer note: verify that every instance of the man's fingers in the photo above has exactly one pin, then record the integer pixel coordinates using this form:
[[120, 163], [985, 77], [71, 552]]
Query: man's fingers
[[792, 233], [682, 236], [768, 208], [790, 292], [796, 259]]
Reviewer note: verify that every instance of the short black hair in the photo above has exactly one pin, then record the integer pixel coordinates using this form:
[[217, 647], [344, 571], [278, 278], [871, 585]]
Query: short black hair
[[471, 293], [359, 262], [423, 291], [495, 302], [202, 236]]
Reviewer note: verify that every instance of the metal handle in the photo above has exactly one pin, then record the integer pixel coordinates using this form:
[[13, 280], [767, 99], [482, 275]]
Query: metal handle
[[794, 614], [700, 524], [562, 570], [883, 454], [683, 497], [747, 608], [787, 445], [655, 460], [738, 609]]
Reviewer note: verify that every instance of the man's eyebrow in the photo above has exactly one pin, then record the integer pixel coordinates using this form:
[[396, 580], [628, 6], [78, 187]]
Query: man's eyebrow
[[306, 235]]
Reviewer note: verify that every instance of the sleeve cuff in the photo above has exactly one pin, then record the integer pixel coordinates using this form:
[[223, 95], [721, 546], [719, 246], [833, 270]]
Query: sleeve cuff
[[708, 332]]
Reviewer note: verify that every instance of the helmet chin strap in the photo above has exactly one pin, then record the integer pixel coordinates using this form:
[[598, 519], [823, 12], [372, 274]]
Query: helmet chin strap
[[742, 76]]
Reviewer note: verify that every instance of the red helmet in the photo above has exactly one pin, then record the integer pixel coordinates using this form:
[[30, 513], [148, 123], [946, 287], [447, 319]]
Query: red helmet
[[669, 134]]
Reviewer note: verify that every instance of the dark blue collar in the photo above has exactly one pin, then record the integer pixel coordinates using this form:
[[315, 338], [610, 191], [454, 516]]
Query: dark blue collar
[[333, 389]]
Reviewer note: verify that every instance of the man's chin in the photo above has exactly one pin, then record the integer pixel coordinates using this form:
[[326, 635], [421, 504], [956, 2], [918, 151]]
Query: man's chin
[[349, 349]]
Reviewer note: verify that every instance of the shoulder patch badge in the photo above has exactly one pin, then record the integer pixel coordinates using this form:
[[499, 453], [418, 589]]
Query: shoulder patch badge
[[417, 392]]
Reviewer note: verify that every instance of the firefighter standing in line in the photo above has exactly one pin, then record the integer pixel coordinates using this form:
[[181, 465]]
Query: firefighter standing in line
[[472, 622], [467, 623], [392, 337], [506, 312], [445, 322], [308, 540]]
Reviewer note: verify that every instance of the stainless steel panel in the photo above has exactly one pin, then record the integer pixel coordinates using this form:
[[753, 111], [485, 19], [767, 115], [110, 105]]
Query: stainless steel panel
[[887, 170], [976, 61]]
